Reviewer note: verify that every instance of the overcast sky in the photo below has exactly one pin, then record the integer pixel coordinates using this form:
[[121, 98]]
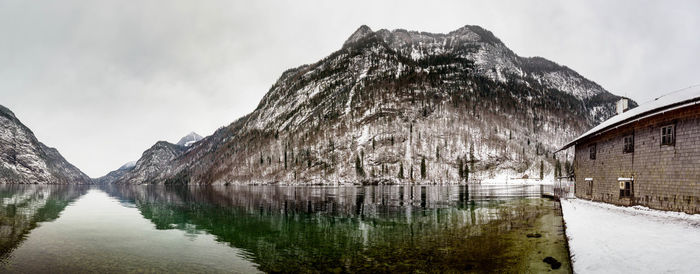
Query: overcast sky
[[104, 80]]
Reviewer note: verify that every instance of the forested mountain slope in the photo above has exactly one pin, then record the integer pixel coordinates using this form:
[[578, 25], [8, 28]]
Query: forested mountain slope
[[402, 106]]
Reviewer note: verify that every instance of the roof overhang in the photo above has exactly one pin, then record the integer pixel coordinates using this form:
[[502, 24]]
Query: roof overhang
[[637, 114]]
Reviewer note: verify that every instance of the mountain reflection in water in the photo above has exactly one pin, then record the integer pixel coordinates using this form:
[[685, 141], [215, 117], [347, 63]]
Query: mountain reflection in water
[[335, 229], [22, 207]]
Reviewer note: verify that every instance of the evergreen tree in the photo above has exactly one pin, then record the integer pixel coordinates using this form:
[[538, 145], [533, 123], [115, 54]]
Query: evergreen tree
[[308, 158], [541, 169], [359, 170], [411, 172], [460, 167], [401, 170], [437, 153], [422, 168], [466, 173], [471, 157]]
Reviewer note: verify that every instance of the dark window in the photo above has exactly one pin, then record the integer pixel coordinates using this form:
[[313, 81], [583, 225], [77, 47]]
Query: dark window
[[589, 191], [629, 144], [668, 135], [626, 189], [591, 148]]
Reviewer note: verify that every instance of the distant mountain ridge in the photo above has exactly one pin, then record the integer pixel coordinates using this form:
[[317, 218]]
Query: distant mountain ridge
[[115, 174], [25, 160], [151, 163], [400, 106]]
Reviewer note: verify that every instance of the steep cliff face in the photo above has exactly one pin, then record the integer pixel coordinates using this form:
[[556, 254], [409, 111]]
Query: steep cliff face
[[401, 106], [25, 160]]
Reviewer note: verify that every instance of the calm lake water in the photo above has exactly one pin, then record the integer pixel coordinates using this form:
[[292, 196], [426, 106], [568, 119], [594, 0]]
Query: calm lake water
[[247, 229]]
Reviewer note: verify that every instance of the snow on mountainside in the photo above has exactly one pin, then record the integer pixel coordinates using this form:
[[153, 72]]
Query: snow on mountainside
[[491, 57], [189, 139], [128, 165], [25, 160], [400, 106]]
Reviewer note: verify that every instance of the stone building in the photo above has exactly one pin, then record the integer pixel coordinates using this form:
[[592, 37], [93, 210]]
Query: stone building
[[648, 156]]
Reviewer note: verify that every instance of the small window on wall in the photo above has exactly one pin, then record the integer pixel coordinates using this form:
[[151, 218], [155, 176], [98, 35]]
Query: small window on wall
[[629, 144], [668, 135], [626, 189], [589, 190], [592, 150]]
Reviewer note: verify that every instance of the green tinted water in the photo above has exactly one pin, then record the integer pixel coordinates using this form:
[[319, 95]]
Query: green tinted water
[[277, 229]]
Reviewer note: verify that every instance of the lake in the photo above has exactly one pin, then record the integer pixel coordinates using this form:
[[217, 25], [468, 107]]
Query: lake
[[246, 229]]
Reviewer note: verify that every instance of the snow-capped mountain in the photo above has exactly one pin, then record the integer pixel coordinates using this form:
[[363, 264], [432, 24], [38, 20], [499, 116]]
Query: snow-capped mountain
[[400, 106], [25, 160], [491, 57], [189, 139]]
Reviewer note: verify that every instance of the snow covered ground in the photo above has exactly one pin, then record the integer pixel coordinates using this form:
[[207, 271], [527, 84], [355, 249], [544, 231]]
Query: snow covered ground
[[604, 238]]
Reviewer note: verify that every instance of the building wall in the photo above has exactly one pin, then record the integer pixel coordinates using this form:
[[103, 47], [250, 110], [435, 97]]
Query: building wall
[[665, 177]]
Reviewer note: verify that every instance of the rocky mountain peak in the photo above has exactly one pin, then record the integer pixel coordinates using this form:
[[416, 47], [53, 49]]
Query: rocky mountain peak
[[25, 160], [475, 33], [7, 112], [153, 162], [189, 139], [359, 34]]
